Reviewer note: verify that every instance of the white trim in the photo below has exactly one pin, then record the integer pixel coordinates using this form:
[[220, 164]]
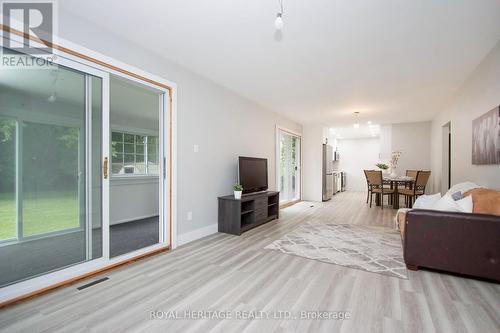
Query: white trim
[[87, 170], [197, 234], [163, 228], [284, 129], [105, 150], [173, 163], [111, 223], [277, 156]]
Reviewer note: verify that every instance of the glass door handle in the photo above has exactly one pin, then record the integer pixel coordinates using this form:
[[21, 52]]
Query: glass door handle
[[105, 168]]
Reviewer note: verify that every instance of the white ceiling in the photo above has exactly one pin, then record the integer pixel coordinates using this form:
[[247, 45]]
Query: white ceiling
[[392, 60], [364, 130]]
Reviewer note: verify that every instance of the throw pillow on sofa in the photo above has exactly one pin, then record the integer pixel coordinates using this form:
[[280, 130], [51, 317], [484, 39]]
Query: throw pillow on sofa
[[486, 201], [426, 201], [447, 203], [463, 187]]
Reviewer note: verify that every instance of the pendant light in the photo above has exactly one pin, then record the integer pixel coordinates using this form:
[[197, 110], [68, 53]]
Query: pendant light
[[52, 98]]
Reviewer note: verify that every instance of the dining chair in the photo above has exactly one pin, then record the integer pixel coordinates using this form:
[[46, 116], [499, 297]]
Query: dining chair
[[417, 189], [376, 186], [412, 174], [367, 185]]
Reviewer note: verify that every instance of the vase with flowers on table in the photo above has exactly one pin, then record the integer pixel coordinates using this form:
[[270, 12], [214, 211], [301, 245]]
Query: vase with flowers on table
[[395, 156]]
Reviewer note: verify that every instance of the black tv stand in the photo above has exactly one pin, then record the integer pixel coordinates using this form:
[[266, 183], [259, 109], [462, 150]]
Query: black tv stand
[[239, 215]]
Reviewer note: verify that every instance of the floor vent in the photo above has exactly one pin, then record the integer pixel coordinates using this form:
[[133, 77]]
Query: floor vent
[[92, 283]]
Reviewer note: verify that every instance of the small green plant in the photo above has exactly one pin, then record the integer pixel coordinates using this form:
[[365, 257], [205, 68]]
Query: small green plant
[[237, 187], [382, 166]]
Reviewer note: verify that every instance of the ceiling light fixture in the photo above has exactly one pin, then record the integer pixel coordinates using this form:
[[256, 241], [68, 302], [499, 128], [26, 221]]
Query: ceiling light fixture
[[55, 74], [278, 23], [53, 97], [356, 116]]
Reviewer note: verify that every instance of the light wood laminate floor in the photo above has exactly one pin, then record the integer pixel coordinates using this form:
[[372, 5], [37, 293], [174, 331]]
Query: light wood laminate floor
[[224, 272]]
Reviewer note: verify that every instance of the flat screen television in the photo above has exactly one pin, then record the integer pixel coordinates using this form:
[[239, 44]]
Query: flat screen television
[[252, 174]]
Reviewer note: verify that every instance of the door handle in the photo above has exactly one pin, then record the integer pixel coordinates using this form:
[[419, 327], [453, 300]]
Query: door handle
[[164, 168], [105, 168]]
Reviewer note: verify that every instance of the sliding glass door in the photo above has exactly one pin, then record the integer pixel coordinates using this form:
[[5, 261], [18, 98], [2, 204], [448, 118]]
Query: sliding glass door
[[137, 160], [50, 142], [82, 171], [8, 207], [288, 166]]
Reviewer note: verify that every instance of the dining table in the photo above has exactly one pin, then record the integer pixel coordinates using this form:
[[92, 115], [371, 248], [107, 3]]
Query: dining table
[[394, 182]]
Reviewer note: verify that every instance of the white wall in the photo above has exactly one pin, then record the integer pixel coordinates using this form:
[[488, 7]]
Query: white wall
[[133, 199], [414, 141], [385, 142], [357, 155], [478, 95], [312, 153], [133, 109], [222, 123]]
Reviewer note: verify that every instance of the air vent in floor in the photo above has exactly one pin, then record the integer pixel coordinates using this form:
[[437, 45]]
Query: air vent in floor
[[92, 283]]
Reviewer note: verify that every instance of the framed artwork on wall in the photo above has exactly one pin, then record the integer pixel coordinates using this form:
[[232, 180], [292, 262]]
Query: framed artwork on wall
[[486, 138]]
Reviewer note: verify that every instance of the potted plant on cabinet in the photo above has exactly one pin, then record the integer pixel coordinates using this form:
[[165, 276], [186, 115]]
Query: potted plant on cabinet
[[238, 189]]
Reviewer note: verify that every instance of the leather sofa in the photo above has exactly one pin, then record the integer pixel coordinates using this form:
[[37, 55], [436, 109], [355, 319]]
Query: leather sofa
[[462, 243]]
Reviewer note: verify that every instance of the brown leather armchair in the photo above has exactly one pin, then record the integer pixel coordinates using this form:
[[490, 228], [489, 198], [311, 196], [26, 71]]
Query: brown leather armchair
[[462, 243]]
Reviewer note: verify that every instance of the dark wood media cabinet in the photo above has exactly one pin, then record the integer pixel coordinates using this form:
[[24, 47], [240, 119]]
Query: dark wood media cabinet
[[237, 216]]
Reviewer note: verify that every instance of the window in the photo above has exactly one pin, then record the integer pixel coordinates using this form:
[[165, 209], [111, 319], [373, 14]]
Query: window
[[135, 154]]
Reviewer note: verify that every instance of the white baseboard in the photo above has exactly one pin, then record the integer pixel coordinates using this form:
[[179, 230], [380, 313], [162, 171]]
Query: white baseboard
[[197, 234], [132, 219]]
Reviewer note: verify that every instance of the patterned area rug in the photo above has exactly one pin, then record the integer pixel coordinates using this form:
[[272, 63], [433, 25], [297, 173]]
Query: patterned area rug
[[372, 249]]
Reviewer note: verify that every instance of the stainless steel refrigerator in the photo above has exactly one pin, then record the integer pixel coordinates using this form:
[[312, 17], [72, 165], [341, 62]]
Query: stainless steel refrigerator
[[327, 172]]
